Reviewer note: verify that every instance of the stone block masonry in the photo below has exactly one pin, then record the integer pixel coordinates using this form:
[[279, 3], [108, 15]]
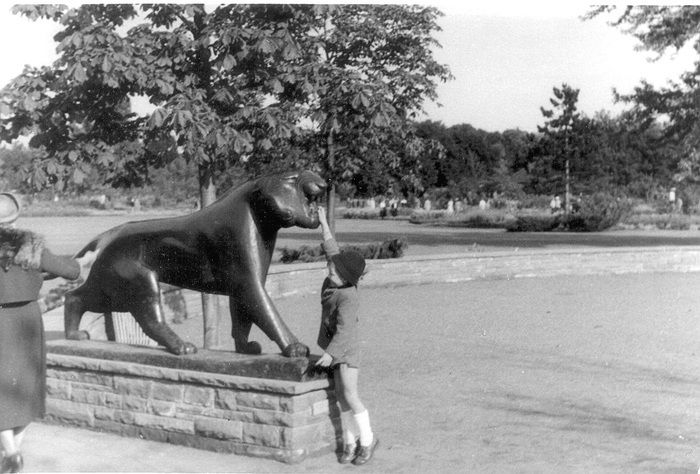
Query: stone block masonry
[[266, 406]]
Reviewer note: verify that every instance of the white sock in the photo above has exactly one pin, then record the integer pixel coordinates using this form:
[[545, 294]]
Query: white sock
[[366, 435], [350, 431]]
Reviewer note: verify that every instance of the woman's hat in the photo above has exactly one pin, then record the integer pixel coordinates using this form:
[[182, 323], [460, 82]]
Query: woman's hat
[[350, 265], [9, 208]]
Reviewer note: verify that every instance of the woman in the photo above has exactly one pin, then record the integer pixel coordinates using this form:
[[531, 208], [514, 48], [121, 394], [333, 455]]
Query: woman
[[23, 258]]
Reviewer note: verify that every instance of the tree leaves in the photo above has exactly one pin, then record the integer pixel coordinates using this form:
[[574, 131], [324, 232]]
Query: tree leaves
[[226, 81]]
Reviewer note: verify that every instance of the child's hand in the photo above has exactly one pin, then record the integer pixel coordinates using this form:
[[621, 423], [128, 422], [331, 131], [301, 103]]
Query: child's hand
[[322, 215], [325, 360]]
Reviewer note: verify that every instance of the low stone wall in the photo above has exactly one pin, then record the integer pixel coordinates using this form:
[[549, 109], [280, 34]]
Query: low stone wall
[[306, 278], [291, 279], [266, 406]]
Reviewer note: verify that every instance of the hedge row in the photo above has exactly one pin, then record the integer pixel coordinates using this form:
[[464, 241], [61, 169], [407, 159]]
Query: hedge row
[[471, 218], [661, 221], [367, 213], [598, 212], [392, 248]]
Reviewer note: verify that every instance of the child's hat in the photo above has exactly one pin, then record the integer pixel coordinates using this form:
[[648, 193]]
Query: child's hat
[[9, 208], [350, 265]]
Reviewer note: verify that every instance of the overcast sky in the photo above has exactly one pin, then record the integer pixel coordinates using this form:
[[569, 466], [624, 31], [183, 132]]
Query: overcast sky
[[505, 57]]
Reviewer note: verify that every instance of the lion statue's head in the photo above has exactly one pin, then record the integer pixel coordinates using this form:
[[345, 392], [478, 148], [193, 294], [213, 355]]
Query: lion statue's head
[[288, 199]]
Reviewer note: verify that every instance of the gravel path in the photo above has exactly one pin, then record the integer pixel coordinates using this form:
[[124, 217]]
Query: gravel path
[[573, 374]]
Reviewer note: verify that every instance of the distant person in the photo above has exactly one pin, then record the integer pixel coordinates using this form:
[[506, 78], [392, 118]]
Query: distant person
[[394, 206], [427, 205], [451, 206], [483, 205], [576, 205], [23, 258], [555, 204], [340, 339], [382, 208]]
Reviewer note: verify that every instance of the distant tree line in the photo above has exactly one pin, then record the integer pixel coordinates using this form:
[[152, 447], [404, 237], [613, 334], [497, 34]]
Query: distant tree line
[[616, 154]]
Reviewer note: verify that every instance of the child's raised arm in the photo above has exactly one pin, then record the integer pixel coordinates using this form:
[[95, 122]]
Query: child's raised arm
[[325, 228]]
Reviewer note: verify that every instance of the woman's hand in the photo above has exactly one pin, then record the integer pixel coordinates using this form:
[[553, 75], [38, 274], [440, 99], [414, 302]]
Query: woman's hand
[[325, 360]]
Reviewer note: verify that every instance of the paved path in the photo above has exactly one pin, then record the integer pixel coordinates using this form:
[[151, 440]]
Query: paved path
[[69, 234], [573, 374]]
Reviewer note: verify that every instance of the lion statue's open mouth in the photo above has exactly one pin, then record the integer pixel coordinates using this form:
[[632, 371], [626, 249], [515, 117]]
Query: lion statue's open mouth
[[313, 188]]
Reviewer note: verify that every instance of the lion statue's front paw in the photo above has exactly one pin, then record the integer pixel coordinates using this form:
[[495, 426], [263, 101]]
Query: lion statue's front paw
[[184, 349], [296, 349], [78, 335]]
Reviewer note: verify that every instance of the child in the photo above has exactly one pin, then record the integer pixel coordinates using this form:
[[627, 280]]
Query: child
[[338, 337]]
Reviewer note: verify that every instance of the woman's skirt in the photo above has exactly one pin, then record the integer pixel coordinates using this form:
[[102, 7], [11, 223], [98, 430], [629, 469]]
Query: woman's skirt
[[22, 365]]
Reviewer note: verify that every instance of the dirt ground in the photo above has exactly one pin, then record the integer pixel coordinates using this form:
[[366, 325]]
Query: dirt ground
[[573, 374], [568, 374]]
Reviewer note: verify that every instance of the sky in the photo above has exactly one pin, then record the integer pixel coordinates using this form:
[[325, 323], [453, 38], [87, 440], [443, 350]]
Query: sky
[[505, 57]]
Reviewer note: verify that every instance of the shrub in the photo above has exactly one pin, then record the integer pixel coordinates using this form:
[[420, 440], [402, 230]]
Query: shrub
[[367, 213], [471, 218], [534, 222], [661, 221], [534, 201], [597, 212], [419, 216], [391, 248]]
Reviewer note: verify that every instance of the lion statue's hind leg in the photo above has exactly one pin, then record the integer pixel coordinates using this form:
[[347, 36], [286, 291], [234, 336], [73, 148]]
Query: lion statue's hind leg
[[73, 310], [240, 330], [148, 314], [145, 307]]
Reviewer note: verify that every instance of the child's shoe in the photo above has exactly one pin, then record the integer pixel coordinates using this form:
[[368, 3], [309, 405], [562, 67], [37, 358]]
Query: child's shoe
[[348, 454], [12, 463], [365, 453]]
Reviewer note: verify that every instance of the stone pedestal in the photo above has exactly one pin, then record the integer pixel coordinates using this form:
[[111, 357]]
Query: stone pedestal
[[266, 405]]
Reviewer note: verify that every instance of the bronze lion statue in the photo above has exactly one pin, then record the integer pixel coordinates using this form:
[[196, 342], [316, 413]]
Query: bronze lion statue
[[224, 248]]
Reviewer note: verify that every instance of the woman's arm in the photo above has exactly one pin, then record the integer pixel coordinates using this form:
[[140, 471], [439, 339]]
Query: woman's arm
[[67, 267]]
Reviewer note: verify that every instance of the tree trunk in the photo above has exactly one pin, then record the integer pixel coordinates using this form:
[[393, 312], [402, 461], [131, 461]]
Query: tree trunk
[[330, 200], [567, 196], [567, 190], [330, 190], [210, 303]]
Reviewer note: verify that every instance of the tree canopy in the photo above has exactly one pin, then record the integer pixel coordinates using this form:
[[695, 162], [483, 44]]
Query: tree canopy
[[663, 29], [229, 85]]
